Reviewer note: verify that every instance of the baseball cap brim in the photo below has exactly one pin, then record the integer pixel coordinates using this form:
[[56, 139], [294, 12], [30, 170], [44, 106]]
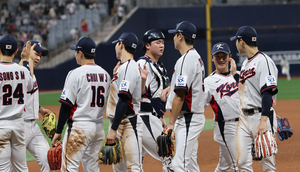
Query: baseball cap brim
[[44, 51], [233, 38], [73, 47], [220, 51], [115, 41], [172, 31]]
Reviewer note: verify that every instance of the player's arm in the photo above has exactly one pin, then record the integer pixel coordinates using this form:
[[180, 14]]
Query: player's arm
[[176, 107], [119, 114], [64, 115], [26, 57], [165, 93], [233, 72]]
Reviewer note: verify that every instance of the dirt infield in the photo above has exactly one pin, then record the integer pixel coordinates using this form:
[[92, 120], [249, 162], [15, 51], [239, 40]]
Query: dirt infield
[[287, 158]]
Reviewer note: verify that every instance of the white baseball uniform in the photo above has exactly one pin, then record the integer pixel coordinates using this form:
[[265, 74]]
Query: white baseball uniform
[[188, 75], [221, 93], [36, 142], [127, 82], [85, 90], [152, 107], [258, 74], [15, 81]]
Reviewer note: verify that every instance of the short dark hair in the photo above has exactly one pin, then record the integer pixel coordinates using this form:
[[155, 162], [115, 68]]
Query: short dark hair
[[7, 52], [249, 43], [129, 49], [188, 41], [87, 55]]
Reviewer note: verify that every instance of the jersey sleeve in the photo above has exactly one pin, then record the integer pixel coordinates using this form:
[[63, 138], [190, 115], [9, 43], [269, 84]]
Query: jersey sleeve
[[268, 77], [208, 95], [185, 73], [68, 95], [130, 78], [29, 81]]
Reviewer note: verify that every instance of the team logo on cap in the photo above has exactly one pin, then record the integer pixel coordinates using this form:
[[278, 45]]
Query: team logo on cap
[[133, 45], [194, 36], [93, 50], [253, 38], [8, 47], [220, 46]]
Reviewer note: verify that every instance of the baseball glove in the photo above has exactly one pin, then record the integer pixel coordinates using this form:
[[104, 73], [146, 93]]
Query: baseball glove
[[264, 145], [165, 143], [49, 124], [111, 154], [54, 156], [284, 129]]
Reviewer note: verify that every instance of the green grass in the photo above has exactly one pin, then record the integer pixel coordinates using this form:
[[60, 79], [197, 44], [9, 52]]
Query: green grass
[[49, 98], [288, 90]]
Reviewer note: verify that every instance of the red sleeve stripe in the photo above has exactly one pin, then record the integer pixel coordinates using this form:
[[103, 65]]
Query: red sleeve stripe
[[273, 86], [65, 102], [124, 92]]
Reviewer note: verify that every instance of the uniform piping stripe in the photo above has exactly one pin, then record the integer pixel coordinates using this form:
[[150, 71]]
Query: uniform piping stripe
[[254, 57], [65, 102], [273, 86], [188, 119]]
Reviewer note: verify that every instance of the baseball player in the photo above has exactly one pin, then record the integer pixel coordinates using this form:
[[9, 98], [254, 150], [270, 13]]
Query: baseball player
[[257, 91], [186, 98], [15, 81], [36, 142], [124, 103], [285, 68], [83, 102], [221, 93], [152, 107]]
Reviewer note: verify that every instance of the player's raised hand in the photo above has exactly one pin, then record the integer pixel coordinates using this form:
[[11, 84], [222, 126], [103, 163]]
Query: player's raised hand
[[232, 66], [26, 51], [116, 67], [144, 72]]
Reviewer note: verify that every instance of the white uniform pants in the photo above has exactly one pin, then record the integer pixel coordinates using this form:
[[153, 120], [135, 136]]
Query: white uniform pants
[[245, 135], [152, 128], [187, 130], [227, 154], [83, 144], [130, 132], [12, 146], [37, 144]]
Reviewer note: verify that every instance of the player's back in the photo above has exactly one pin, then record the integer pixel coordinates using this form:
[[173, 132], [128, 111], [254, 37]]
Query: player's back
[[90, 86], [15, 82]]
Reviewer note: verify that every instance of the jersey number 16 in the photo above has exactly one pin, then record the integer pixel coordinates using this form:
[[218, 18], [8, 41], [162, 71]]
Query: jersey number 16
[[97, 97]]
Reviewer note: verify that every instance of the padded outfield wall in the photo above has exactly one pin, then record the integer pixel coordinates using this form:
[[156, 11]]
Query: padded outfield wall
[[278, 28]]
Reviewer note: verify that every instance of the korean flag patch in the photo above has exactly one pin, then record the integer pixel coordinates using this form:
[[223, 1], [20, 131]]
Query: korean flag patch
[[124, 86], [63, 95], [271, 80], [181, 81]]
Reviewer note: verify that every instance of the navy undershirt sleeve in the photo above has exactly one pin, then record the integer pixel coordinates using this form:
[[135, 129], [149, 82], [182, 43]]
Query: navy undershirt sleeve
[[64, 115], [120, 111], [266, 103]]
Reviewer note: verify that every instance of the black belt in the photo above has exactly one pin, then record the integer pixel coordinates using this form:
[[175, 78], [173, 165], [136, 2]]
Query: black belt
[[230, 120], [252, 111]]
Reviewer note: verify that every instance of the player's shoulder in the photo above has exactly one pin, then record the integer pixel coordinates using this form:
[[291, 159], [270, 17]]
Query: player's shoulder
[[211, 77]]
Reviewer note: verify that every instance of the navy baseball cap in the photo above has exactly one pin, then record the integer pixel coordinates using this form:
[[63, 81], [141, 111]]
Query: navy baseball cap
[[220, 47], [85, 44], [129, 39], [186, 28], [247, 33], [8, 42], [38, 47]]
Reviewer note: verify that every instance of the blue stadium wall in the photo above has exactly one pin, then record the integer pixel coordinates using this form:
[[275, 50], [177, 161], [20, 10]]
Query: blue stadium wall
[[278, 28]]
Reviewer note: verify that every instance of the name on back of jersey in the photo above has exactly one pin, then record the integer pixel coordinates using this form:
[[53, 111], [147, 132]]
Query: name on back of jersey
[[10, 76], [96, 77]]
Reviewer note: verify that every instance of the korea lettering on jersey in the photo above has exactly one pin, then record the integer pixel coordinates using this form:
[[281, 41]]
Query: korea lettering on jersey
[[85, 91], [221, 92], [188, 75], [258, 74], [126, 82], [15, 81]]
